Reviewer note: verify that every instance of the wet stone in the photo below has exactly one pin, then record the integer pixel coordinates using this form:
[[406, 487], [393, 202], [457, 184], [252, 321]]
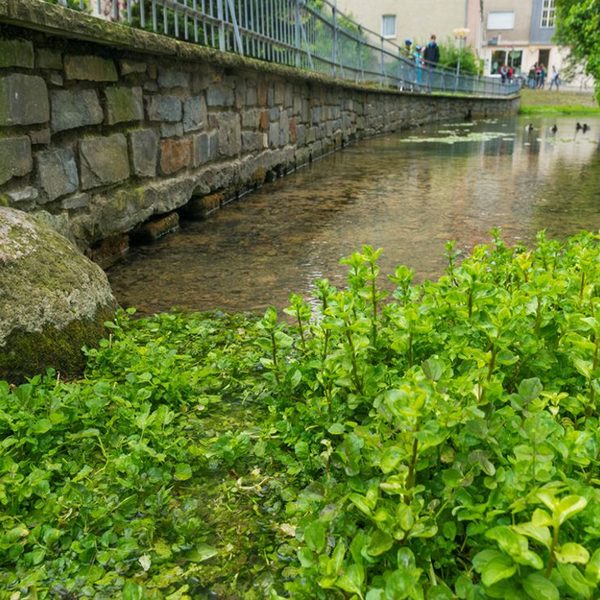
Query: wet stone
[[123, 104], [175, 155], [23, 100], [144, 152], [103, 160], [57, 173], [90, 68], [194, 113], [75, 108], [16, 53], [206, 148], [164, 108], [45, 58], [15, 157]]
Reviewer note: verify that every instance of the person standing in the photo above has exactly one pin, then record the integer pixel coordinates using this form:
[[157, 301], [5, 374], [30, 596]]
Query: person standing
[[431, 55], [555, 79]]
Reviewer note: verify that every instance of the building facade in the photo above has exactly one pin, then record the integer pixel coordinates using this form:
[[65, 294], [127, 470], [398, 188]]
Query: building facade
[[416, 20], [519, 34]]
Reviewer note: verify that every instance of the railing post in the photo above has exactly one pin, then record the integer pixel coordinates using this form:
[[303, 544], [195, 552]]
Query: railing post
[[382, 62], [297, 33], [335, 38], [220, 16]]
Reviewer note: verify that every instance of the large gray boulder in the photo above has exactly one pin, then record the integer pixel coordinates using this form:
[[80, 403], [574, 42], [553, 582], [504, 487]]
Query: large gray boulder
[[53, 300]]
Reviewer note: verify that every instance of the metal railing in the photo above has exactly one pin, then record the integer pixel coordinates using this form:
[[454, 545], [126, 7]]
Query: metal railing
[[306, 34]]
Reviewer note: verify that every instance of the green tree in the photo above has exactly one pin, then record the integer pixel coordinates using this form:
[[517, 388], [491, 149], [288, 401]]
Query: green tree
[[578, 26]]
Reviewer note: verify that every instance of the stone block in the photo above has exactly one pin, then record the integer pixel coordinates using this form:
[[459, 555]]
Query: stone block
[[273, 135], [75, 202], [171, 130], [56, 79], [206, 148], [74, 108], [171, 78], [129, 67], [90, 68], [150, 86], [175, 155], [23, 199], [16, 53], [263, 122], [274, 114], [23, 100], [219, 95], [263, 93], [45, 58], [251, 118], [164, 108], [123, 104], [103, 160], [15, 157], [57, 172], [40, 136], [228, 126], [194, 113], [251, 95], [143, 144], [252, 141]]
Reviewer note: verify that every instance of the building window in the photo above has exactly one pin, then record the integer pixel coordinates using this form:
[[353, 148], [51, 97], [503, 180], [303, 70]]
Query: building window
[[510, 58], [501, 20], [388, 26], [548, 13]]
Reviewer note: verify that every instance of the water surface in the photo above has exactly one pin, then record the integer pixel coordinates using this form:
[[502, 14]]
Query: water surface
[[407, 193]]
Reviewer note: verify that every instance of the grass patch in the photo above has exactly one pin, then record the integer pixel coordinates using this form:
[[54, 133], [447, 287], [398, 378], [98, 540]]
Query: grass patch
[[542, 102]]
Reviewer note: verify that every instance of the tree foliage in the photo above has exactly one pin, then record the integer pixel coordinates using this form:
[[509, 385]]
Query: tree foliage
[[578, 26]]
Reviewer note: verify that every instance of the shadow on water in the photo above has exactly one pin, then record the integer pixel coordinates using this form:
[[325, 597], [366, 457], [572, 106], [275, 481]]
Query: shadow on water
[[407, 193]]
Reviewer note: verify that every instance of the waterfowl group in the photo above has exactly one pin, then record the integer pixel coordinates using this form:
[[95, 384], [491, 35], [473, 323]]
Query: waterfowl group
[[579, 127]]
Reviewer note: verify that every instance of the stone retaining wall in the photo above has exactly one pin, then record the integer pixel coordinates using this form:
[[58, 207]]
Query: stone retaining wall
[[105, 127]]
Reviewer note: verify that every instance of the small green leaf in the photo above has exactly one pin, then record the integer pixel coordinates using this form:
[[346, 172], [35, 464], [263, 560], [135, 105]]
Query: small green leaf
[[572, 553], [497, 569], [183, 472], [132, 591], [573, 577], [336, 429], [536, 532], [314, 535], [592, 570], [201, 553], [540, 588], [569, 506], [360, 503], [379, 543], [352, 580], [390, 459]]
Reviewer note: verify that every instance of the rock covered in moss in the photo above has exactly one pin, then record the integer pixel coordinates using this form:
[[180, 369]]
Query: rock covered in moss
[[53, 300]]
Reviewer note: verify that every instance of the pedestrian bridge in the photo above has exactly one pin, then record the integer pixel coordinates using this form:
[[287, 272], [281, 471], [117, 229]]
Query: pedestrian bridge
[[182, 105]]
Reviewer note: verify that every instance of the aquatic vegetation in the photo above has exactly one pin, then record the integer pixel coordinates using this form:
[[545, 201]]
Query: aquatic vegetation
[[438, 441], [456, 136]]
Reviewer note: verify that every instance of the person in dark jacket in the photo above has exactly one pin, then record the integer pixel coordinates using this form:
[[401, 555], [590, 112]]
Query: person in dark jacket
[[432, 53]]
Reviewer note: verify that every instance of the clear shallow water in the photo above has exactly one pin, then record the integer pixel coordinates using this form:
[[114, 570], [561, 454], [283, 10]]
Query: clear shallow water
[[407, 193]]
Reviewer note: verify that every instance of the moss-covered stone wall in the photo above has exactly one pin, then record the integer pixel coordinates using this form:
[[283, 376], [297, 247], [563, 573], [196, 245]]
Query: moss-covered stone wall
[[104, 127]]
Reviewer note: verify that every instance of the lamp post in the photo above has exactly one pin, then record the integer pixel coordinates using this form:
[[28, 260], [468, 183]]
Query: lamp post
[[460, 35]]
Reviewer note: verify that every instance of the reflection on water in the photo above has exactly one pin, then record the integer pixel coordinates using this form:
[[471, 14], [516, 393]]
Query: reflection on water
[[407, 193]]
